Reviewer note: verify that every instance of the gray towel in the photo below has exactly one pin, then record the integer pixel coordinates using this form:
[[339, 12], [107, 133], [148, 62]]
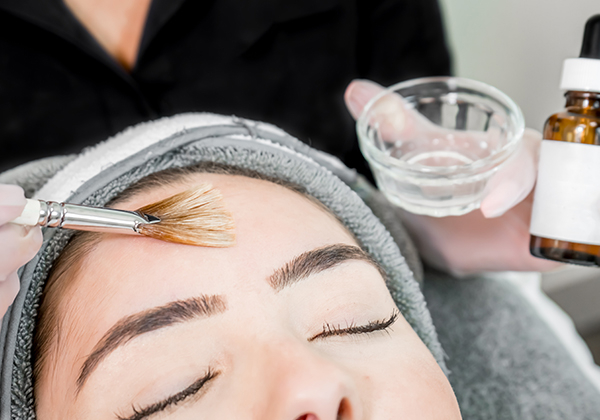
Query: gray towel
[[504, 361]]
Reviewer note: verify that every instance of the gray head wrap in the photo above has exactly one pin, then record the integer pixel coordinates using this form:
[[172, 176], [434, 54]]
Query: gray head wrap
[[101, 173]]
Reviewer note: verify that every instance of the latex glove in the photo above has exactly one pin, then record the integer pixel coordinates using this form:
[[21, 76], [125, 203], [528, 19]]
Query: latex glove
[[17, 244], [493, 238]]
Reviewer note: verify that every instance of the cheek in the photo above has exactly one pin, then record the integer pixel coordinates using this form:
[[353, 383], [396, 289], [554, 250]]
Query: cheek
[[407, 383]]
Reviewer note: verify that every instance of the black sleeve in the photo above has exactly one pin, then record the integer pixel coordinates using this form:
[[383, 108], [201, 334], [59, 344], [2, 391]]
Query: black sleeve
[[400, 40]]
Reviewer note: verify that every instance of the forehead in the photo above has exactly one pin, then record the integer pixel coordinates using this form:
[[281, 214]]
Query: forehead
[[273, 224], [260, 208]]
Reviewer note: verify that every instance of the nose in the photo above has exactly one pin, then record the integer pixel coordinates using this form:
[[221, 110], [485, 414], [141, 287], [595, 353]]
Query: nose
[[315, 396], [301, 383]]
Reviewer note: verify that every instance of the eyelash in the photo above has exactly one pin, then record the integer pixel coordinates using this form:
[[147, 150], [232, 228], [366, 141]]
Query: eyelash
[[193, 389], [352, 329]]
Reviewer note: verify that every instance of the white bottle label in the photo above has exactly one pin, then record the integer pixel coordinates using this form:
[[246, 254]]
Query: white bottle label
[[567, 195]]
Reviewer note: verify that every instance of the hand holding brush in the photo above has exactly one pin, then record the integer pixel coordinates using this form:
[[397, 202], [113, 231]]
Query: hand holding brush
[[17, 244]]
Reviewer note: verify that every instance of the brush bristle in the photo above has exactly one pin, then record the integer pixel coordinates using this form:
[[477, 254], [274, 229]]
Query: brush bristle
[[193, 217]]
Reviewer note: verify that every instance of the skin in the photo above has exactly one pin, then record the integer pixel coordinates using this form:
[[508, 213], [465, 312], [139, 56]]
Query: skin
[[267, 366], [117, 25]]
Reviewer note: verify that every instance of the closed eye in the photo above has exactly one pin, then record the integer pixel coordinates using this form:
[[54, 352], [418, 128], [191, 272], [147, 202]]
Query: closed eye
[[380, 325], [173, 400]]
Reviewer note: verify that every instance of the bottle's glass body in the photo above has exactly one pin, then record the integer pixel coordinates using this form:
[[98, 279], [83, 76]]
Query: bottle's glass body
[[578, 123]]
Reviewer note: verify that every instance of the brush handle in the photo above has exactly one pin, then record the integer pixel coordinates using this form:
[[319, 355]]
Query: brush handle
[[79, 217]]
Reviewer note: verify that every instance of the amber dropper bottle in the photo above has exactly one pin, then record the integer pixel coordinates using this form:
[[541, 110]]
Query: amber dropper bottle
[[565, 220]]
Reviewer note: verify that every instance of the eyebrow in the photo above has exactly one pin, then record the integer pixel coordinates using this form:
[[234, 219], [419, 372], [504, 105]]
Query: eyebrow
[[317, 260], [299, 268], [147, 321]]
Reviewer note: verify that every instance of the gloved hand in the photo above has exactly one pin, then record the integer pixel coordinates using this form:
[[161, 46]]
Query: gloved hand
[[493, 238], [17, 244]]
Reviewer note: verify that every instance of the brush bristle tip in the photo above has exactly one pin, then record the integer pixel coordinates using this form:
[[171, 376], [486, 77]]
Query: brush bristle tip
[[193, 217]]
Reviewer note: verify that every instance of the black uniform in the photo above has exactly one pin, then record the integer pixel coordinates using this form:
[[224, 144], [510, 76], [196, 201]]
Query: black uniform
[[281, 61]]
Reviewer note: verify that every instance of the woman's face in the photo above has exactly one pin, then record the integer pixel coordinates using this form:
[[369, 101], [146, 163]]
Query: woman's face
[[157, 330]]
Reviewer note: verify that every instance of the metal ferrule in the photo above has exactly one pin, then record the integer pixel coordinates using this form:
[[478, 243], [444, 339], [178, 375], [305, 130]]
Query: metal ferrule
[[96, 219]]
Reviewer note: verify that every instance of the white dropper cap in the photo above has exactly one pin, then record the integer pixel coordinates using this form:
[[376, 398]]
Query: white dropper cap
[[583, 73]]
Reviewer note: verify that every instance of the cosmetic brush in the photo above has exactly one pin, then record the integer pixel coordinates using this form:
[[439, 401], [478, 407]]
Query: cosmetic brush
[[193, 217]]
